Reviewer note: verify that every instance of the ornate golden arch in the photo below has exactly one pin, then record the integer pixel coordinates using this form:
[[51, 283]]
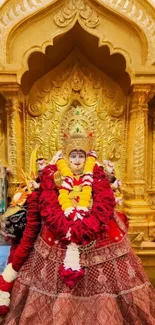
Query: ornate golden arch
[[99, 20]]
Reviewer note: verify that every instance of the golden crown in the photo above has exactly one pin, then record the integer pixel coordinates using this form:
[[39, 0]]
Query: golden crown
[[77, 133]]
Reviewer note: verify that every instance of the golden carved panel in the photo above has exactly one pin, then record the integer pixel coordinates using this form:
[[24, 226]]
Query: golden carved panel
[[76, 80], [77, 9], [2, 132]]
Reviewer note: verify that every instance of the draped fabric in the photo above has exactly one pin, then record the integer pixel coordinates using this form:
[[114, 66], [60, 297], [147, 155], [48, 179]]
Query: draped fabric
[[114, 291]]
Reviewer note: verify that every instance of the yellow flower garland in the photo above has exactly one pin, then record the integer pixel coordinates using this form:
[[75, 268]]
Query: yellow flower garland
[[86, 193]]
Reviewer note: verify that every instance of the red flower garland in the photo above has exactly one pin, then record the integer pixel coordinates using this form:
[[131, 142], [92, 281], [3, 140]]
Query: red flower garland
[[94, 222], [4, 285], [3, 310], [6, 288], [45, 203], [70, 277]]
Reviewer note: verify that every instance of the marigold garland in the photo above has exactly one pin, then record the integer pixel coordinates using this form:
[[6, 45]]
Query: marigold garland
[[67, 185]]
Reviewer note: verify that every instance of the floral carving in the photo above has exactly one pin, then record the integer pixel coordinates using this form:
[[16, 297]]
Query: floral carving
[[36, 109], [138, 152], [77, 9], [14, 143], [153, 154], [136, 11], [114, 150], [76, 80], [141, 94]]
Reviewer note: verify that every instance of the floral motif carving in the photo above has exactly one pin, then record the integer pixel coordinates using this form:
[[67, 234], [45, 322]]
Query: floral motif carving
[[141, 94], [77, 9], [13, 11], [114, 150], [153, 154], [76, 80], [136, 11], [15, 141], [12, 147], [139, 147], [36, 109]]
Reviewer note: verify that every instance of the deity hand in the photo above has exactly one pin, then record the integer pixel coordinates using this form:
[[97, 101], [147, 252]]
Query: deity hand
[[109, 166], [56, 157], [33, 185], [117, 184], [119, 200], [9, 171], [92, 153]]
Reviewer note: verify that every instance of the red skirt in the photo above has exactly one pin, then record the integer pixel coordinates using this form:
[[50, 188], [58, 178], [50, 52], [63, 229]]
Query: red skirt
[[114, 290]]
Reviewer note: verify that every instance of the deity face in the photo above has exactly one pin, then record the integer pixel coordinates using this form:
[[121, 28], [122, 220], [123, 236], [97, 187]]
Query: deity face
[[77, 159], [41, 163]]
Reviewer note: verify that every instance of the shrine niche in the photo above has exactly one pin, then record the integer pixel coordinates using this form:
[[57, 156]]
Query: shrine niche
[[103, 102], [97, 55]]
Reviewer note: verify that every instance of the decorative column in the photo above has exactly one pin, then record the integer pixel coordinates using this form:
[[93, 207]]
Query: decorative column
[[151, 170], [152, 149], [136, 205], [14, 137]]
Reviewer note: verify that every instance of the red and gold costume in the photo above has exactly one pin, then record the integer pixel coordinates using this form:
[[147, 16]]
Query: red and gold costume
[[107, 286], [114, 288]]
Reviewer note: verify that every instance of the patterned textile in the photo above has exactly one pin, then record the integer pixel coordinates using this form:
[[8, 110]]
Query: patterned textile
[[114, 291]]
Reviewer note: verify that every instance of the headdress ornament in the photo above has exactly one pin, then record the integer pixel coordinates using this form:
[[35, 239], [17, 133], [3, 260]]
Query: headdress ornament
[[78, 134]]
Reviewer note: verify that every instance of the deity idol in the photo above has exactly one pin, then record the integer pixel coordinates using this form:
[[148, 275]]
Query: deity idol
[[74, 263]]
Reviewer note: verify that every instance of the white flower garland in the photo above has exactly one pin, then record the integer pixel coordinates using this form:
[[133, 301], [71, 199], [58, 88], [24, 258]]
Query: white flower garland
[[4, 298]]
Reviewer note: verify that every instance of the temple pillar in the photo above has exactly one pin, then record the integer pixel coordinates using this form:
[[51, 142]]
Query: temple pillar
[[136, 204], [15, 143]]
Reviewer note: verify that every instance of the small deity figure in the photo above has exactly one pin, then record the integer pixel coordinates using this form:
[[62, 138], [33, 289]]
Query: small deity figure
[[116, 184]]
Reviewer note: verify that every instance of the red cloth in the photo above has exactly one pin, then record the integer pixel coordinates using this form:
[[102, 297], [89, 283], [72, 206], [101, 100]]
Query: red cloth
[[5, 286], [4, 310], [70, 277]]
